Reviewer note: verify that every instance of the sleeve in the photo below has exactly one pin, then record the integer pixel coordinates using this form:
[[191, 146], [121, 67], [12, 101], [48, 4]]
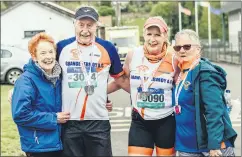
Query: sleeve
[[212, 99], [116, 69], [59, 48], [24, 112]]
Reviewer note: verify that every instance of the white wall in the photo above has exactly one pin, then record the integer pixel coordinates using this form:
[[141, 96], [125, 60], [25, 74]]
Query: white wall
[[31, 16], [234, 27]]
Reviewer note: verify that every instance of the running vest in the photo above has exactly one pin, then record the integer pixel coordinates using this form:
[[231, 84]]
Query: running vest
[[160, 103], [100, 60]]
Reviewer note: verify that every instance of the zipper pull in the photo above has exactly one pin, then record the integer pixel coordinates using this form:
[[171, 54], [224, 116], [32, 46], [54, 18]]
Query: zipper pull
[[36, 140]]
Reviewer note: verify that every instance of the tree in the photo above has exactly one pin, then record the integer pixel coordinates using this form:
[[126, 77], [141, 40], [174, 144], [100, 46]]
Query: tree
[[3, 6], [105, 11], [106, 3], [169, 12]]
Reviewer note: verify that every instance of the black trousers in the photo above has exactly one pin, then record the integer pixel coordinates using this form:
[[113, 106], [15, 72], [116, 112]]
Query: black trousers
[[86, 138]]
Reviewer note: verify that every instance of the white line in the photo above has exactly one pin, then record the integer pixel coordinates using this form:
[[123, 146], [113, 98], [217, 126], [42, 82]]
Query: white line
[[119, 120], [235, 120], [235, 125], [116, 125], [119, 130]]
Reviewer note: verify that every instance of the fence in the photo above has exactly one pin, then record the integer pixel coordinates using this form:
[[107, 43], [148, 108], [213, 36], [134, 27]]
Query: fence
[[222, 53]]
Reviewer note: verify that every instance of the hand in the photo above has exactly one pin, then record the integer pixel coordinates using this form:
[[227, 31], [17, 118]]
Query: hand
[[63, 117], [215, 153], [109, 106], [10, 94]]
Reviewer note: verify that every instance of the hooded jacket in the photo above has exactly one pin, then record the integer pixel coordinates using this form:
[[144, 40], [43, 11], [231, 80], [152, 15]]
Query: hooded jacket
[[35, 102], [213, 124]]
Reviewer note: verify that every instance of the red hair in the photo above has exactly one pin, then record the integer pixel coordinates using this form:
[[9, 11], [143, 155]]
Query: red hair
[[34, 41]]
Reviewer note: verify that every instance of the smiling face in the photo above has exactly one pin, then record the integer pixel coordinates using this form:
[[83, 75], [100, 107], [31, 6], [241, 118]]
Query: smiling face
[[45, 56], [154, 39], [85, 30], [186, 48]]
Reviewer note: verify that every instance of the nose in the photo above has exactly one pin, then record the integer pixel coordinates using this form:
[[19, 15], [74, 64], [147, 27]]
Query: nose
[[49, 55], [85, 29], [182, 50]]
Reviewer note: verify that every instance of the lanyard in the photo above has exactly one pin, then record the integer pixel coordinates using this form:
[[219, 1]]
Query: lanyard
[[152, 74], [84, 70], [179, 88]]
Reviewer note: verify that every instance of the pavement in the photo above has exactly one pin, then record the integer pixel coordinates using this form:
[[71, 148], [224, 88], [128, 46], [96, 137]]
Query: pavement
[[120, 117]]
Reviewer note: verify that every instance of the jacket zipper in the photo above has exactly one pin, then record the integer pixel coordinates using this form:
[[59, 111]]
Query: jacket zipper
[[205, 117], [58, 128], [36, 138]]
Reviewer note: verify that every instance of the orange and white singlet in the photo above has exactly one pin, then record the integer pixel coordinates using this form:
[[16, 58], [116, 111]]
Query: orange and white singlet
[[99, 60], [159, 104]]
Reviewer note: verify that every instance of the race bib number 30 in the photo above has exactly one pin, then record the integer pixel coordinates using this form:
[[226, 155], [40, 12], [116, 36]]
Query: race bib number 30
[[78, 80]]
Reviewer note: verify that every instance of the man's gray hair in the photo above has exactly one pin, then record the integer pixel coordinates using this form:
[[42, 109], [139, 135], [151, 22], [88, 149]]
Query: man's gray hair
[[190, 33]]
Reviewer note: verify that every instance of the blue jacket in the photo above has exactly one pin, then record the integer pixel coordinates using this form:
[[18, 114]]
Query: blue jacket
[[35, 102], [213, 124]]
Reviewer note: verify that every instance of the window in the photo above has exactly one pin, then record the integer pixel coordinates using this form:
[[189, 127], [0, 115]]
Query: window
[[29, 34], [5, 54]]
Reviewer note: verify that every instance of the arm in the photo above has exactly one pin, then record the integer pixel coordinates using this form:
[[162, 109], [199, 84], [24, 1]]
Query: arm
[[122, 81], [23, 110], [211, 98]]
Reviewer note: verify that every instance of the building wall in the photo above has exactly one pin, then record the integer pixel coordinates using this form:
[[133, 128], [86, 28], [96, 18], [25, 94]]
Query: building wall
[[234, 27], [32, 16]]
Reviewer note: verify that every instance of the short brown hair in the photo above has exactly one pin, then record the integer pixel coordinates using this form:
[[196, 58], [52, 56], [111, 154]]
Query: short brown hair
[[34, 41]]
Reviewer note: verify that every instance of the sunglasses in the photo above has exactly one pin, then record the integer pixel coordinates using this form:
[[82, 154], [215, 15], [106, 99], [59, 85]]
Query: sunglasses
[[185, 47]]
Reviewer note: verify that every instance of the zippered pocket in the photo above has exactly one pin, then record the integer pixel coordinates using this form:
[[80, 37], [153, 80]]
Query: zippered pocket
[[36, 137]]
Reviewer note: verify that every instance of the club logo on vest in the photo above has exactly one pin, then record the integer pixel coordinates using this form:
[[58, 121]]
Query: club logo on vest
[[142, 68], [74, 54]]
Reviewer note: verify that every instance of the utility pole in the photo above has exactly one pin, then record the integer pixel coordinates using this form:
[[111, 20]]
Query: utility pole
[[118, 13]]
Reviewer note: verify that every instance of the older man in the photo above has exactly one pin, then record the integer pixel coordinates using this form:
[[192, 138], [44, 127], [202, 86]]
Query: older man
[[86, 63]]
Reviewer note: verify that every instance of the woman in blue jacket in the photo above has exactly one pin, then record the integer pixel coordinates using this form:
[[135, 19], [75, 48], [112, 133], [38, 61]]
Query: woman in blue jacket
[[203, 126], [36, 100]]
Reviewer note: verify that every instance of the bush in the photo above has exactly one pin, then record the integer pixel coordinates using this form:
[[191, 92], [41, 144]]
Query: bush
[[105, 11]]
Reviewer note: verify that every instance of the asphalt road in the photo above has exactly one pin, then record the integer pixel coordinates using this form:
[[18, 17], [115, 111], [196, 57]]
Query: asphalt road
[[120, 116]]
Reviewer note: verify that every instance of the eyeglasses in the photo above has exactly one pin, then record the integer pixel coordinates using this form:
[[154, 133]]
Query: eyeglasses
[[185, 47]]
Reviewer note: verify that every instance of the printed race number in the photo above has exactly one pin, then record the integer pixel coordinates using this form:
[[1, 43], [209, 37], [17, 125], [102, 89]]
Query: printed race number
[[154, 98], [81, 77]]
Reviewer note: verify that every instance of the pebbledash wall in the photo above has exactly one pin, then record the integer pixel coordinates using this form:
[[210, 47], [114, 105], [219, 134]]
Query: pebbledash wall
[[19, 23]]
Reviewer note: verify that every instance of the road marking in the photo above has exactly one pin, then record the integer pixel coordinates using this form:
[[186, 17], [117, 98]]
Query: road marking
[[119, 120], [119, 130], [235, 120], [236, 125], [118, 125]]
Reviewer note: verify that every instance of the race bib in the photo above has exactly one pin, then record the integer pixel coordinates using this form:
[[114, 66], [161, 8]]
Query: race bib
[[77, 79], [155, 100]]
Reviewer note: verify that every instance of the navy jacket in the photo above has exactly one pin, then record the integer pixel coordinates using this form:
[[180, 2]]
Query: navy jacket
[[35, 102]]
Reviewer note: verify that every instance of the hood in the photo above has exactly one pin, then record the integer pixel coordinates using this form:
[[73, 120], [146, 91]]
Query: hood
[[33, 68], [218, 72]]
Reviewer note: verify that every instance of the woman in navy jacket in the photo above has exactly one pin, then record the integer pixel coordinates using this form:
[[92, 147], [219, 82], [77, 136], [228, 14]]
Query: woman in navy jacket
[[36, 100]]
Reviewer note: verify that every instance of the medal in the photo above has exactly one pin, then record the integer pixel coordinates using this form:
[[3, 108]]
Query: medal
[[177, 109], [89, 89], [144, 95]]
